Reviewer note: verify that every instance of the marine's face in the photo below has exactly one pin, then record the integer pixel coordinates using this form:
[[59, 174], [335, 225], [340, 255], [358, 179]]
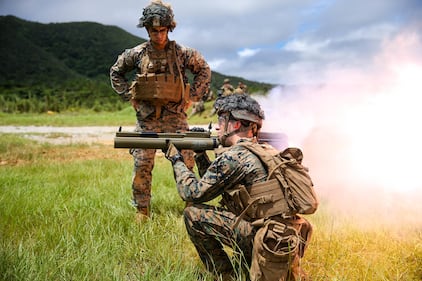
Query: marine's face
[[221, 122], [158, 36], [225, 126]]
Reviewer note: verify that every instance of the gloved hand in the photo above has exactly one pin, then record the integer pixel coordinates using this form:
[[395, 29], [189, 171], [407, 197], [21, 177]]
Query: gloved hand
[[197, 129], [173, 153]]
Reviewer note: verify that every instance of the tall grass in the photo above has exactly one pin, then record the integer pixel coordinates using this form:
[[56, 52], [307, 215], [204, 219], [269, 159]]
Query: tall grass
[[65, 214], [67, 218]]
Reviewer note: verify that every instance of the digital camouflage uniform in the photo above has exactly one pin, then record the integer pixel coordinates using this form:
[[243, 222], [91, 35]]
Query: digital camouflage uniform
[[210, 227], [197, 108], [227, 88], [253, 218], [241, 89], [172, 116]]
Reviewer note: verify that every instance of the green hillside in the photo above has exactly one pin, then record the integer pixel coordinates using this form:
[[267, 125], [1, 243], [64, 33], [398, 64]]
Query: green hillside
[[62, 66]]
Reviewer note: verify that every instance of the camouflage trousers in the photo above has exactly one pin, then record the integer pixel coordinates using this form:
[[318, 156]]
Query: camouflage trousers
[[210, 227], [144, 158]]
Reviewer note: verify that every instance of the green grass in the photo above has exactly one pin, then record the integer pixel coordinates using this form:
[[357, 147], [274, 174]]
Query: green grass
[[65, 214], [203, 119], [125, 117], [77, 118], [71, 219]]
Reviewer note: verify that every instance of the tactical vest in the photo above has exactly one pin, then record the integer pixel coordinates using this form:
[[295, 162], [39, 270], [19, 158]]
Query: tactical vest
[[287, 191], [262, 200], [265, 200], [162, 82]]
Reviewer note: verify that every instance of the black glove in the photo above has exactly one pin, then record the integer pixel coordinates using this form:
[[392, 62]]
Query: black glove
[[202, 130], [197, 129], [173, 153]]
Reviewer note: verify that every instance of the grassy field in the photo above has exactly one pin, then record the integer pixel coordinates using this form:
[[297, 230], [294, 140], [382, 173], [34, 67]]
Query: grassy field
[[65, 214], [125, 117]]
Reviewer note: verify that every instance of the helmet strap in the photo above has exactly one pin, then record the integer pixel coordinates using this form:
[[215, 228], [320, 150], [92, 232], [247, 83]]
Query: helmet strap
[[226, 134], [252, 126]]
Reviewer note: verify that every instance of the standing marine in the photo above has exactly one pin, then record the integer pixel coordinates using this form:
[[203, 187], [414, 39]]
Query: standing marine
[[249, 227], [160, 93], [227, 88], [241, 89]]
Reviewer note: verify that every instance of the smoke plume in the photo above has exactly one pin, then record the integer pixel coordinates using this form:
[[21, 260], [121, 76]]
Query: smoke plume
[[360, 132]]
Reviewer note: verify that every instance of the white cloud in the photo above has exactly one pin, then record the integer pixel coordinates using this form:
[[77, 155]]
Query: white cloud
[[243, 37], [306, 47], [374, 32], [215, 64], [248, 52]]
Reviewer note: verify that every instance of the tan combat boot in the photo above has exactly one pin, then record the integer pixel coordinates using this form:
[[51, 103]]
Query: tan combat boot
[[142, 215]]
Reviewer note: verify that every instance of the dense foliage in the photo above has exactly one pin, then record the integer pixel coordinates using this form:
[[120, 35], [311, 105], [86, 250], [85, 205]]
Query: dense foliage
[[62, 66]]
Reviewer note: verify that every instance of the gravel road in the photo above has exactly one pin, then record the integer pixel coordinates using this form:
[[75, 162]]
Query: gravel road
[[65, 135]]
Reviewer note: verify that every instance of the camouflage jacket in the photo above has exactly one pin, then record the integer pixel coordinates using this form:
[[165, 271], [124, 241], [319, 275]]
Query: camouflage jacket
[[237, 165], [144, 59]]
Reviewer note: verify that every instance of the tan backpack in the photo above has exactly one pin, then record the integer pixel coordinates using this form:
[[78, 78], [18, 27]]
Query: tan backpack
[[286, 167], [278, 246]]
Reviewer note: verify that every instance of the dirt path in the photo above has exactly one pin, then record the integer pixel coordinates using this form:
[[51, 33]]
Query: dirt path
[[65, 135]]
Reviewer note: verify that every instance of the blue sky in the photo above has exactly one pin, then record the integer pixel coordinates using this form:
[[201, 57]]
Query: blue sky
[[274, 41]]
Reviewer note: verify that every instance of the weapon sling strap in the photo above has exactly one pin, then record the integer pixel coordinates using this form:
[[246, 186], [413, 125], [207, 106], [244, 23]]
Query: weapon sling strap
[[185, 88], [177, 62]]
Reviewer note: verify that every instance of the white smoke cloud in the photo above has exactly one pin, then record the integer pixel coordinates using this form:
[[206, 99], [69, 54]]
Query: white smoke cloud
[[360, 130]]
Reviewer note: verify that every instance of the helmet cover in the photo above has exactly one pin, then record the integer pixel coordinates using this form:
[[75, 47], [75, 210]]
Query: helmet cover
[[157, 14], [241, 107]]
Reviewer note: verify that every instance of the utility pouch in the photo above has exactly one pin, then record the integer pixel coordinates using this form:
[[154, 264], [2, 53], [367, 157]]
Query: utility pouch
[[275, 248], [233, 200], [266, 200], [162, 88], [159, 89]]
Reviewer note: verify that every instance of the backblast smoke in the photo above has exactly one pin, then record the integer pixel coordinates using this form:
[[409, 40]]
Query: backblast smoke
[[360, 132]]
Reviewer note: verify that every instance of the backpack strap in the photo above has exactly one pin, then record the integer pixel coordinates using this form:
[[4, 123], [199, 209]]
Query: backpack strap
[[266, 199], [267, 157]]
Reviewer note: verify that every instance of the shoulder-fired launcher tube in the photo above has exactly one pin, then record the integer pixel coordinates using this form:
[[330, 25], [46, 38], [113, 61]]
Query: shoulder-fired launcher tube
[[193, 140], [187, 140]]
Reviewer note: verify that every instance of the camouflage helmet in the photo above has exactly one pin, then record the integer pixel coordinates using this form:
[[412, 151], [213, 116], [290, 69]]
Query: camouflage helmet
[[157, 14], [241, 107]]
